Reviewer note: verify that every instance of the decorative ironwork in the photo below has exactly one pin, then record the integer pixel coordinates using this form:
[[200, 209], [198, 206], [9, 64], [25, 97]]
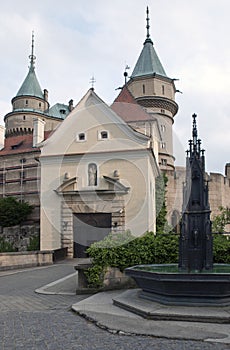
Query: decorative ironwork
[[195, 249]]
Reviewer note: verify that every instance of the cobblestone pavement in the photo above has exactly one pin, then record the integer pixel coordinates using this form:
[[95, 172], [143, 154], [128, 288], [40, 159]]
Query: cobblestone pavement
[[33, 321]]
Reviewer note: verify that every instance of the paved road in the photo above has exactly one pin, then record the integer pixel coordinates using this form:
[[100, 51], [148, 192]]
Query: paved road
[[33, 321]]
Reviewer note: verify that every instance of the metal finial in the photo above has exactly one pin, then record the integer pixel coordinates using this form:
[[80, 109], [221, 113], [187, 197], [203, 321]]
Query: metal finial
[[147, 26], [125, 73], [194, 130], [32, 57], [92, 81]]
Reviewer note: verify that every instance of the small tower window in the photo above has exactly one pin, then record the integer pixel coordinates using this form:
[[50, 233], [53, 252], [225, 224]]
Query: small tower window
[[163, 89], [163, 145], [92, 174], [143, 88], [26, 102], [162, 111], [163, 128], [164, 161], [24, 117], [40, 104]]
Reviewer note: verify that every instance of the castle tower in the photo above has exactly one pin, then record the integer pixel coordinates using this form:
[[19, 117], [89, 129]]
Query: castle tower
[[155, 91], [29, 102]]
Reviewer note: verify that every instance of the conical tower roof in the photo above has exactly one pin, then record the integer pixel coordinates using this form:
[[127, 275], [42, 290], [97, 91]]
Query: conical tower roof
[[31, 86], [148, 62]]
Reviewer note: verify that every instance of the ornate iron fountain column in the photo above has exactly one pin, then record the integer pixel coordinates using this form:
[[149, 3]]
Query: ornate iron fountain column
[[195, 248]]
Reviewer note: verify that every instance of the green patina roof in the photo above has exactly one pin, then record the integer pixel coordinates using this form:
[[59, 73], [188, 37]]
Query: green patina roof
[[31, 86], [148, 62], [59, 110]]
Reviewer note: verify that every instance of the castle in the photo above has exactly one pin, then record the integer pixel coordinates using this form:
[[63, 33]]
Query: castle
[[93, 172]]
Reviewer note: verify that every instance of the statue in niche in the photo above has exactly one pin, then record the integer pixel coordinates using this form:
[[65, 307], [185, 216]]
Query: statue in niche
[[92, 174]]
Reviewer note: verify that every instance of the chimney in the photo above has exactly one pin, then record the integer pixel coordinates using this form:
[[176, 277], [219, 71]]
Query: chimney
[[38, 132], [2, 136], [46, 95], [70, 105]]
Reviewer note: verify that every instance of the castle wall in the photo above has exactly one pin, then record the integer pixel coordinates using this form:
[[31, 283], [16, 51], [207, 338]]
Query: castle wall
[[219, 192]]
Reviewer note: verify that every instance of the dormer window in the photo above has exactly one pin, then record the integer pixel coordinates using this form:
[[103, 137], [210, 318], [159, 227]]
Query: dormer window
[[103, 135], [62, 111], [81, 137]]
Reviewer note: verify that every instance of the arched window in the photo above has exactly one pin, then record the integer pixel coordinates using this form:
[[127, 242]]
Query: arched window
[[92, 174], [143, 88]]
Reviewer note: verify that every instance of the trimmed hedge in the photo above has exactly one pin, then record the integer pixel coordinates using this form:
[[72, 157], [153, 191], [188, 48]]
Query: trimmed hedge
[[123, 250]]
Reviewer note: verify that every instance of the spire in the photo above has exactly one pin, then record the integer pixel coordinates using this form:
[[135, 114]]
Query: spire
[[194, 130], [195, 150], [32, 57], [148, 62], [31, 86], [147, 27]]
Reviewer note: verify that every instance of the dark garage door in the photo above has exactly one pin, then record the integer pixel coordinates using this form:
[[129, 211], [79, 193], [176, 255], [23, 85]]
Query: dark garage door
[[89, 228]]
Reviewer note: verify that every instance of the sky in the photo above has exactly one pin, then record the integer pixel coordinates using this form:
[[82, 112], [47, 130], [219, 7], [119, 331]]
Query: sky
[[76, 40]]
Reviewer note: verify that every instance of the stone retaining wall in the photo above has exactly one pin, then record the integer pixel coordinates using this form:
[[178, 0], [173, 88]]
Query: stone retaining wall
[[19, 236], [25, 259]]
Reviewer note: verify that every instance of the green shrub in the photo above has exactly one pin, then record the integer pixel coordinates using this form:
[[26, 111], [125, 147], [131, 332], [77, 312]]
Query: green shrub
[[122, 250], [13, 212], [221, 220], [34, 243], [221, 249], [5, 246]]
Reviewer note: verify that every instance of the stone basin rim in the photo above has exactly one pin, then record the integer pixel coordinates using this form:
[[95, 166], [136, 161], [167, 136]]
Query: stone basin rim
[[142, 268]]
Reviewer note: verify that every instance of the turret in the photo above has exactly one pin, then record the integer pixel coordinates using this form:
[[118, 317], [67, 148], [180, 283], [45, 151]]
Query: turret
[[155, 91], [30, 101]]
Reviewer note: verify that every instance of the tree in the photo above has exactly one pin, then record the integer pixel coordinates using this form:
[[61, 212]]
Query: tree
[[161, 211], [220, 221], [13, 212]]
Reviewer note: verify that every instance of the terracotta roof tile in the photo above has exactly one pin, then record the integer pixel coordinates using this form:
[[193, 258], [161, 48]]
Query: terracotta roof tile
[[20, 144], [128, 109]]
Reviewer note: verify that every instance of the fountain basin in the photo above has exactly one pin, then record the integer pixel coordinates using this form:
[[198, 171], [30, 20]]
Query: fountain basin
[[166, 284]]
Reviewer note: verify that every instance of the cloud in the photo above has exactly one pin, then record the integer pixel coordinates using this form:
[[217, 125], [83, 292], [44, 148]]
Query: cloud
[[77, 39]]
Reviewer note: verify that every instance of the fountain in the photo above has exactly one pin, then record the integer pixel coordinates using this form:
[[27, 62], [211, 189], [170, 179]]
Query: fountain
[[195, 281]]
